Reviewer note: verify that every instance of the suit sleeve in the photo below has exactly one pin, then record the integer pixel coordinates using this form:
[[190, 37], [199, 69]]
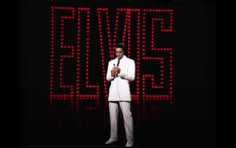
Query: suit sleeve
[[130, 74], [108, 76]]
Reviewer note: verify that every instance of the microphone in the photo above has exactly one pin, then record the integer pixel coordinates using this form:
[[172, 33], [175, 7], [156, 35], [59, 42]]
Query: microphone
[[114, 66], [117, 66]]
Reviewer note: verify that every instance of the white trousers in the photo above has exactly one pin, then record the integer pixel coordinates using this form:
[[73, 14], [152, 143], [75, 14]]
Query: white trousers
[[127, 116]]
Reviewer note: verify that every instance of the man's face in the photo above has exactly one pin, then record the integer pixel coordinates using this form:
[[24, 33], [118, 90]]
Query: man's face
[[119, 53]]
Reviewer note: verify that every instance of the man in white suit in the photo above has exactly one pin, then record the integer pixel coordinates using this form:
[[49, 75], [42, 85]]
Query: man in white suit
[[120, 71]]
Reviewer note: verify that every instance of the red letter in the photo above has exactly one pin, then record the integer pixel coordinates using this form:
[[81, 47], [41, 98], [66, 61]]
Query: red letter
[[62, 86], [160, 87], [79, 95]]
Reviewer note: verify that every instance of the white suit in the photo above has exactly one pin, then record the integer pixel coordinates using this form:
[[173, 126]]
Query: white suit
[[119, 88], [119, 94]]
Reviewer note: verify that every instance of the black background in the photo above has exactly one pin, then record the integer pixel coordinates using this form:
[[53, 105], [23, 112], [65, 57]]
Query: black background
[[192, 124]]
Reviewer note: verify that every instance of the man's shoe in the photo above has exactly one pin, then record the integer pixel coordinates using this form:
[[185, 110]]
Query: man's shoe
[[129, 143], [111, 141]]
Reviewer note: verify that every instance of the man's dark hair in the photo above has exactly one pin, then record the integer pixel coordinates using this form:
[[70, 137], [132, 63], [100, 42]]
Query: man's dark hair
[[121, 45]]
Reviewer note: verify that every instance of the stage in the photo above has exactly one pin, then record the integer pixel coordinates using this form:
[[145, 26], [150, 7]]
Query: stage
[[65, 49]]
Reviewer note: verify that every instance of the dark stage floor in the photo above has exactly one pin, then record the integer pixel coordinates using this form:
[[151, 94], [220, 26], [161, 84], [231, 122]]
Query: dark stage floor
[[189, 134]]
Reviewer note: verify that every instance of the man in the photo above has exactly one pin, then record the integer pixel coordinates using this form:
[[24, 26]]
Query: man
[[120, 71]]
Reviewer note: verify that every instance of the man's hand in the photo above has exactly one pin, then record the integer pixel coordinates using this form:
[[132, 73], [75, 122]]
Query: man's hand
[[115, 71]]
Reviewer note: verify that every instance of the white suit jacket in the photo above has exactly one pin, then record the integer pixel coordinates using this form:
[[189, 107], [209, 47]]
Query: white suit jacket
[[119, 89]]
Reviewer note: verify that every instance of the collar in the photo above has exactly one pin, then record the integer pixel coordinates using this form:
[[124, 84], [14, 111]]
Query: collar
[[123, 58]]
